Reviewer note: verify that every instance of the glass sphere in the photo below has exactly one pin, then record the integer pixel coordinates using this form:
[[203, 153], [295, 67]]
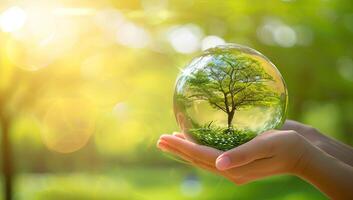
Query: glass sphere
[[228, 95]]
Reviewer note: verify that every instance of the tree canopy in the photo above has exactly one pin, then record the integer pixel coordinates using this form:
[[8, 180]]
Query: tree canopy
[[231, 82]]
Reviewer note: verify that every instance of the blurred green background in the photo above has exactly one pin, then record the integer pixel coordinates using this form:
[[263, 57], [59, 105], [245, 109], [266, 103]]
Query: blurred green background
[[86, 88]]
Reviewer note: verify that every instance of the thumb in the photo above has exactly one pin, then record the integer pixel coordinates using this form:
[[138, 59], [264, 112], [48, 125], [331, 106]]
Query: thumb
[[259, 147]]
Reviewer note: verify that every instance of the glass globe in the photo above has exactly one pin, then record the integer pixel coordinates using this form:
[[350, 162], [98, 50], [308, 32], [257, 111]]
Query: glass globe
[[228, 95]]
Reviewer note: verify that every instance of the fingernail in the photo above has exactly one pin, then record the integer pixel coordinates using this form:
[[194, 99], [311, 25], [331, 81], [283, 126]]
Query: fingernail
[[158, 141], [162, 144], [162, 137], [223, 163]]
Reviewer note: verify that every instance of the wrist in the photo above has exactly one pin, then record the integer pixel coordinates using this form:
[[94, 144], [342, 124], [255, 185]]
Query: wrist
[[328, 174], [307, 160], [312, 163]]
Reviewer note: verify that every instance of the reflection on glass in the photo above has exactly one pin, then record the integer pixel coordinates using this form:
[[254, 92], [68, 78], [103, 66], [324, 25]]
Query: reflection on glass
[[228, 95]]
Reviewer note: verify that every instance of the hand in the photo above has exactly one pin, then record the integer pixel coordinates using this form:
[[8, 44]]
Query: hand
[[273, 152], [197, 155], [302, 151], [332, 147], [310, 133]]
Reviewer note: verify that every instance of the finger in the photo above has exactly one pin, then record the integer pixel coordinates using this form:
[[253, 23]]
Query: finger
[[200, 152], [165, 147], [195, 162], [296, 126], [259, 147], [185, 157], [302, 129], [179, 135], [293, 125], [205, 166], [289, 125], [257, 168]]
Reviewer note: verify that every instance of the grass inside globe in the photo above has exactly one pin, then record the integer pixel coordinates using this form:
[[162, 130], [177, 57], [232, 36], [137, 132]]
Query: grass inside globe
[[228, 95]]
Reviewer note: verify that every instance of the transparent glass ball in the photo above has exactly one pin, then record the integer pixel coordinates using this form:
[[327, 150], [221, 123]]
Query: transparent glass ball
[[228, 95]]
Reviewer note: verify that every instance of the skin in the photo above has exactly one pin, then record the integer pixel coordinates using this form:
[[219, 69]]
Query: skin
[[332, 147], [298, 150]]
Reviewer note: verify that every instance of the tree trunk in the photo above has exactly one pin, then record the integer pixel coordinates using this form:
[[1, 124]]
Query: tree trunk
[[6, 157], [230, 118]]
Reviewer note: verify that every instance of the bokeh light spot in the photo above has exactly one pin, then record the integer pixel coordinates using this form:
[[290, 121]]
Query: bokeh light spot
[[132, 35], [211, 41], [42, 40], [191, 186], [154, 5], [345, 67], [285, 36], [12, 19], [275, 32], [67, 125], [185, 39], [305, 35]]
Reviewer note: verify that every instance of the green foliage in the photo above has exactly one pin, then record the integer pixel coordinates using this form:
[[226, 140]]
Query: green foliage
[[316, 69], [231, 81], [219, 137], [154, 183]]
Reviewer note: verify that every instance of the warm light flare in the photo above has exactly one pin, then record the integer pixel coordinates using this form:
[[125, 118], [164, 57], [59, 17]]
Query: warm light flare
[[73, 11], [13, 19], [67, 125]]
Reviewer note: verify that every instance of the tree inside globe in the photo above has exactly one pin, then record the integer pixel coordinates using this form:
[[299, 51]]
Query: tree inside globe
[[228, 95]]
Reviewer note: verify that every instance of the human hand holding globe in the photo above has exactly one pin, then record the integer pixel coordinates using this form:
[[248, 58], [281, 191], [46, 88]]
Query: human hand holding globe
[[226, 102], [274, 152], [223, 99]]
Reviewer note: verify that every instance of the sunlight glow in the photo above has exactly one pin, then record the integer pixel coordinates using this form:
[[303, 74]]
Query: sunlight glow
[[67, 125], [121, 111], [13, 19], [74, 11], [285, 36], [154, 5], [275, 32], [185, 39], [132, 35], [191, 187], [46, 37], [121, 30], [211, 41]]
